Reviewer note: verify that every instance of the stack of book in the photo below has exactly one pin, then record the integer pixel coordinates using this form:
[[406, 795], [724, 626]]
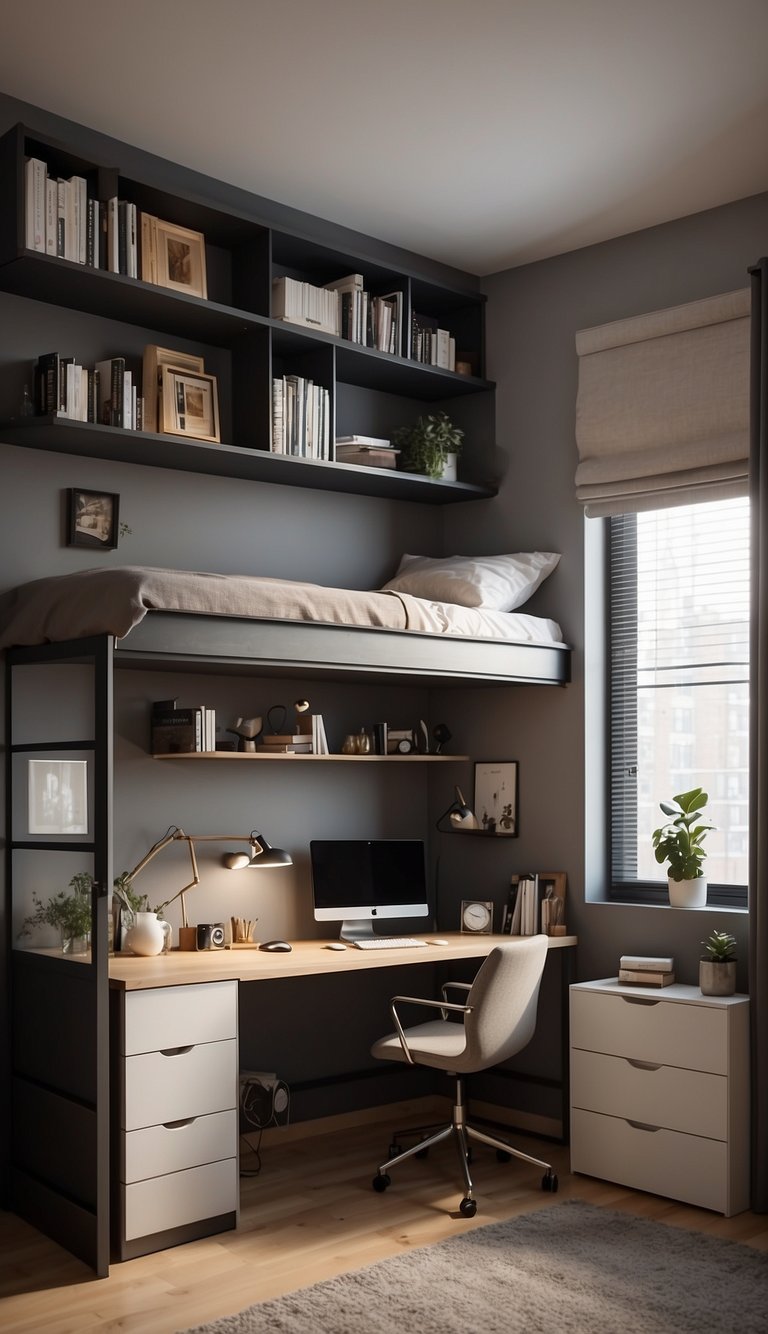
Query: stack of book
[[522, 912], [373, 321], [297, 302], [301, 417], [285, 743], [365, 450], [432, 345], [642, 970], [175, 731], [104, 393]]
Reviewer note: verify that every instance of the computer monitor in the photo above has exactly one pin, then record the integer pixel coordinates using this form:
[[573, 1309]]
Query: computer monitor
[[362, 881]]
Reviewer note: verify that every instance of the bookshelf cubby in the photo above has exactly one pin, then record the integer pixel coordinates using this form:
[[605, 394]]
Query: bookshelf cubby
[[371, 392]]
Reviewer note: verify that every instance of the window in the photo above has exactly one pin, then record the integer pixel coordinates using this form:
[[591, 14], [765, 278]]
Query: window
[[679, 700]]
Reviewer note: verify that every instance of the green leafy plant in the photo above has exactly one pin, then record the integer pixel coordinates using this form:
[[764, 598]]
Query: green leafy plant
[[69, 913], [425, 445], [679, 841], [720, 947]]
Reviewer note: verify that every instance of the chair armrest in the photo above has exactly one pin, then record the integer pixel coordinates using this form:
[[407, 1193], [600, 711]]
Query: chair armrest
[[419, 1000], [457, 986]]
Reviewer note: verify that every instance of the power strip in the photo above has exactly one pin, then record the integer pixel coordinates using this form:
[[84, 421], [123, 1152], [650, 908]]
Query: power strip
[[263, 1098]]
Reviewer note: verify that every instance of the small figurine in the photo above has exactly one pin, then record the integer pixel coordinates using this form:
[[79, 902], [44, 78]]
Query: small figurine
[[246, 730]]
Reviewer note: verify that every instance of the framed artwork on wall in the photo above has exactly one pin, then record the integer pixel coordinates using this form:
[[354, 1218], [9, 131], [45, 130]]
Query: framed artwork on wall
[[496, 802], [92, 519], [189, 404], [57, 796]]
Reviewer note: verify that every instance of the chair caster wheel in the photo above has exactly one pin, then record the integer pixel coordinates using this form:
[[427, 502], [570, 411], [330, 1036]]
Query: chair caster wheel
[[394, 1150], [502, 1156], [468, 1208], [549, 1182], [421, 1153], [381, 1181]]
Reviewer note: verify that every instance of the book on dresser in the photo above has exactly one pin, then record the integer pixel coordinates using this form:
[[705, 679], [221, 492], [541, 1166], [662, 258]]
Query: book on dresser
[[645, 977]]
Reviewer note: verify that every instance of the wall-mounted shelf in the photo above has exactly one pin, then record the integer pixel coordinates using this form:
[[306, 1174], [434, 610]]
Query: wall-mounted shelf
[[64, 436], [366, 390], [230, 755]]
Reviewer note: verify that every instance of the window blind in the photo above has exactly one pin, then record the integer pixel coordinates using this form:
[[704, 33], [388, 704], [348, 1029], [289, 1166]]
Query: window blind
[[662, 411], [679, 680]]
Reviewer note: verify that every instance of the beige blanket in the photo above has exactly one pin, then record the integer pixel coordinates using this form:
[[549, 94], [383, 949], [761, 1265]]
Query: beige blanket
[[112, 600]]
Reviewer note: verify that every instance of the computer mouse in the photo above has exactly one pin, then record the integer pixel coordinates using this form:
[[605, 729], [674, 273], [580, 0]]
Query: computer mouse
[[439, 940], [334, 945], [276, 946]]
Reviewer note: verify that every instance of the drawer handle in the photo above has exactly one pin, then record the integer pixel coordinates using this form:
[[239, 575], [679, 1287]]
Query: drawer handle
[[177, 1051], [640, 1125], [642, 1065], [639, 1000], [179, 1125]]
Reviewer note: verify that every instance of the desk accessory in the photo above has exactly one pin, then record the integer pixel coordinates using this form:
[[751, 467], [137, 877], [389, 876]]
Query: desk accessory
[[261, 854], [477, 916]]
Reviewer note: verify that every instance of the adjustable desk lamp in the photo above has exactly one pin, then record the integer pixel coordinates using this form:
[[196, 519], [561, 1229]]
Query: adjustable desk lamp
[[460, 816], [261, 855]]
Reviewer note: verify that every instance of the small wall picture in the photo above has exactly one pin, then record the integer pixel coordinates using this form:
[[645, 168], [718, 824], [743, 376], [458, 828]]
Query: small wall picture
[[58, 796], [189, 404], [495, 804], [180, 255], [92, 519]]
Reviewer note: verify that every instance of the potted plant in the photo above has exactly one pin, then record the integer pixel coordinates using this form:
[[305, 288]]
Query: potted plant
[[431, 446], [69, 914], [679, 842], [717, 967]]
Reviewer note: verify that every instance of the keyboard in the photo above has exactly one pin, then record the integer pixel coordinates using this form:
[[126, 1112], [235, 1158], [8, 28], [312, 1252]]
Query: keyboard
[[387, 943]]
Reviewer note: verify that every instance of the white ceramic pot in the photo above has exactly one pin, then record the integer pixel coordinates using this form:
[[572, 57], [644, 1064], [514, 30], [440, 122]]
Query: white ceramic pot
[[449, 468], [716, 977], [148, 934], [688, 893]]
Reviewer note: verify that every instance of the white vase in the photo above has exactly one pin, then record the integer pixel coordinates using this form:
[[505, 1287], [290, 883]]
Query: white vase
[[688, 893], [449, 468], [148, 934]]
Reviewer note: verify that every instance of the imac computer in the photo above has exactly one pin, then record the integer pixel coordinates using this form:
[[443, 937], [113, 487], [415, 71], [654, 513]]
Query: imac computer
[[362, 881]]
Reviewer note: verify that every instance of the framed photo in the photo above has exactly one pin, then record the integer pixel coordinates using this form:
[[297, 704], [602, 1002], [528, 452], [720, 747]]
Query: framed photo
[[495, 804], [180, 259], [57, 796], [552, 886], [92, 519], [188, 404], [154, 358]]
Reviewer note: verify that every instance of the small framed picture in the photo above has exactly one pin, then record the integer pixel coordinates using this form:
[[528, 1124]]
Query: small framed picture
[[495, 803], [189, 404], [180, 257], [92, 519], [57, 796]]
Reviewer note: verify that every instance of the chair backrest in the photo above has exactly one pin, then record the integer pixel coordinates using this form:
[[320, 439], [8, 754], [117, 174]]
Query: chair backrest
[[504, 997]]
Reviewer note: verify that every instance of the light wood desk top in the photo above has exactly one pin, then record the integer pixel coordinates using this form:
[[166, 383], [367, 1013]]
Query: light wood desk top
[[307, 957]]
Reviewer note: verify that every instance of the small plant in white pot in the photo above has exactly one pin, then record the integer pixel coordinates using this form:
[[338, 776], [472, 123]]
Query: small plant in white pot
[[717, 967], [431, 446], [679, 843]]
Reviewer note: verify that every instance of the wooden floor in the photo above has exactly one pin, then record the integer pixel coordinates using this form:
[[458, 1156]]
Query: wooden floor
[[310, 1214]]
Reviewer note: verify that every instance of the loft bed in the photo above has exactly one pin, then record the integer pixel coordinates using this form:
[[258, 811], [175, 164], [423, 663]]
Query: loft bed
[[199, 621]]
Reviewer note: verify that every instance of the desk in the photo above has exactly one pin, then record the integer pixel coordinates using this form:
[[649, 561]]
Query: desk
[[176, 1075]]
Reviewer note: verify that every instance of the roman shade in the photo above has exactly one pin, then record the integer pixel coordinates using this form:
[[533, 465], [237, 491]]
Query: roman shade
[[662, 412]]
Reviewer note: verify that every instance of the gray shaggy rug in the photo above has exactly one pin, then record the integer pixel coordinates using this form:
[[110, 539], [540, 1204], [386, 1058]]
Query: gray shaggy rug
[[572, 1268]]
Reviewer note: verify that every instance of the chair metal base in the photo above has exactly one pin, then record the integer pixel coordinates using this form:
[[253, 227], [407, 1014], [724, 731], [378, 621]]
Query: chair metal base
[[461, 1132]]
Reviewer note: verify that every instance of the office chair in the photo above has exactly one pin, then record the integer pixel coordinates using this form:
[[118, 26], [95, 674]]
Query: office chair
[[499, 1019]]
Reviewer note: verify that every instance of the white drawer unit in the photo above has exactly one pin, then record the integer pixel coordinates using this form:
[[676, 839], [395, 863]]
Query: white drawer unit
[[177, 1118], [660, 1091]]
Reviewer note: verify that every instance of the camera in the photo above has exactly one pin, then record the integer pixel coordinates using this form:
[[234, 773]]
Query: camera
[[210, 935]]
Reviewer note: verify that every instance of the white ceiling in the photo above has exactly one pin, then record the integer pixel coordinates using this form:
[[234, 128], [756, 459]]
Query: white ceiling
[[485, 133]]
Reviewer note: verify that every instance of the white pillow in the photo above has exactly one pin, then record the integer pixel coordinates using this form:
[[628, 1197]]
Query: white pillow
[[499, 583]]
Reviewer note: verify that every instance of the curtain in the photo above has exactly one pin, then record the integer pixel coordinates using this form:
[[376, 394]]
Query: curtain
[[662, 412], [758, 823]]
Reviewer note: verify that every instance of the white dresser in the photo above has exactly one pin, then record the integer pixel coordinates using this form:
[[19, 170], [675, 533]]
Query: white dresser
[[660, 1091], [178, 1115]]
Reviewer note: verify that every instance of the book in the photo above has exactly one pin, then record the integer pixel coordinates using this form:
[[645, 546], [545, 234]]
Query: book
[[283, 738], [300, 748], [111, 390], [36, 174], [367, 441], [48, 382], [319, 739], [643, 977], [176, 731], [367, 456], [647, 963]]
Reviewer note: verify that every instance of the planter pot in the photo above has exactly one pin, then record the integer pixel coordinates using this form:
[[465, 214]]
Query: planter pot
[[148, 935], [688, 893], [717, 978], [449, 468], [75, 944]]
